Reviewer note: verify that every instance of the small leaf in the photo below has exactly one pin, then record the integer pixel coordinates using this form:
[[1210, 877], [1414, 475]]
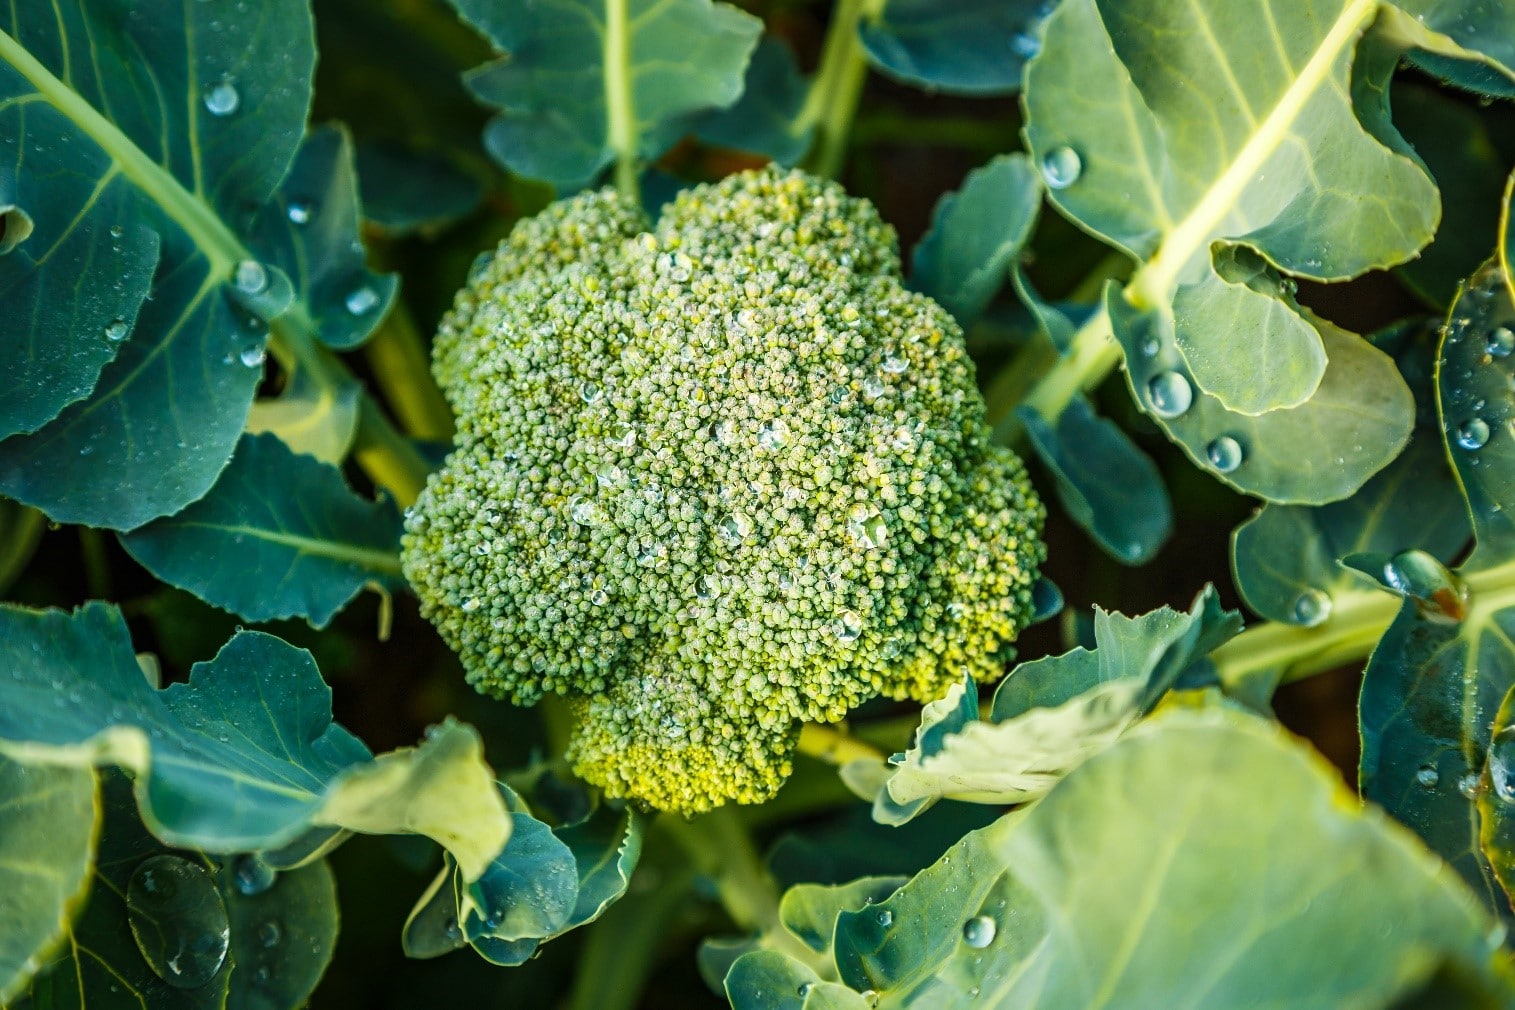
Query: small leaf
[[809, 911], [765, 120], [280, 535], [528, 892], [976, 233], [1109, 486], [605, 849], [585, 82], [46, 852], [966, 47], [242, 757]]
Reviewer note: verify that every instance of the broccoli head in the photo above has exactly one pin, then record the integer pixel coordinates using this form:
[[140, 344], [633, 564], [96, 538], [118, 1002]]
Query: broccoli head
[[715, 477]]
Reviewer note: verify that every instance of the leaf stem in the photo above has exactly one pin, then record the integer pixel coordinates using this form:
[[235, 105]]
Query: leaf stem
[[837, 88], [620, 110], [835, 746], [384, 454], [1091, 355], [398, 358]]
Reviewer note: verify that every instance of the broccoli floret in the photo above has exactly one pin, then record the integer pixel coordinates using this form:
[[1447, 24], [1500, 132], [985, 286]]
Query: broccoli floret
[[715, 477]]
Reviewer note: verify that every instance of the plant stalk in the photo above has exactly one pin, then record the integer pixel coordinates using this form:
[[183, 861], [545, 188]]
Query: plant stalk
[[390, 461], [837, 88], [397, 355]]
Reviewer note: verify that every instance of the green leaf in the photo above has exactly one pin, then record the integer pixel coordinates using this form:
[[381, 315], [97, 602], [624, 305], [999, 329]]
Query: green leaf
[[1052, 714], [280, 535], [965, 47], [975, 234], [586, 83], [1355, 422], [1496, 801], [317, 416], [765, 120], [809, 911], [1339, 906], [1285, 558], [605, 847], [1446, 665], [242, 757], [309, 230], [51, 819], [173, 929], [528, 892], [408, 191], [1268, 168], [1109, 486], [184, 119], [1468, 42]]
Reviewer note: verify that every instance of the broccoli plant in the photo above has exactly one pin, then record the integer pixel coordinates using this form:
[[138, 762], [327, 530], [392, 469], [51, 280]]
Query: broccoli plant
[[617, 464]]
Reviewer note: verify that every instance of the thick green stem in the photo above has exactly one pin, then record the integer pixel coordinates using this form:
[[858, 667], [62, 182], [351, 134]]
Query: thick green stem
[[834, 745], [398, 358], [620, 108], [837, 88], [1091, 356], [390, 461]]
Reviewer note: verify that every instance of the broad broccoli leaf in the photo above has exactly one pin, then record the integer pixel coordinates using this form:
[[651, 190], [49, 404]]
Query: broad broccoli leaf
[[1049, 715], [46, 850], [1339, 907], [585, 83], [167, 928], [279, 535], [766, 119], [966, 47], [242, 757]]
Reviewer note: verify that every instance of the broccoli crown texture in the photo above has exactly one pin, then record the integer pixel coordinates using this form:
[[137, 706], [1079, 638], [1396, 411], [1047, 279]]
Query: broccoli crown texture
[[715, 477]]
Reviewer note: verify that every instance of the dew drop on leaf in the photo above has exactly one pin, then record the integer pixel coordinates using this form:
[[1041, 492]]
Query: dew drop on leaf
[[300, 212], [1025, 45], [804, 989], [1170, 394], [1225, 453], [1311, 607], [1502, 342], [178, 920], [269, 934], [252, 356], [222, 99], [1473, 434], [1428, 776], [1468, 785], [885, 918], [250, 277], [116, 330], [979, 931], [362, 300], [1061, 167], [1502, 764], [251, 874]]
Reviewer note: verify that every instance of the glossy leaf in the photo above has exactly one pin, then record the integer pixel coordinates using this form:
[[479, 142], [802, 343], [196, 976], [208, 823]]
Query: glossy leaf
[[51, 819], [311, 415], [1356, 421], [765, 120], [1265, 170], [1052, 714], [968, 47], [1496, 800], [280, 535], [244, 756], [1108, 486], [1443, 669], [406, 191], [182, 136], [976, 232], [1339, 907], [586, 82], [310, 231], [172, 930]]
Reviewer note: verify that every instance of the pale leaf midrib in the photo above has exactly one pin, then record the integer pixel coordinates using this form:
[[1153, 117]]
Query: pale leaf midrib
[[366, 557], [1154, 283]]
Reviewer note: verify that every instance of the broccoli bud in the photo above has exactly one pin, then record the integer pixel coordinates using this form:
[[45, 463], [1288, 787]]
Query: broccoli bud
[[715, 477]]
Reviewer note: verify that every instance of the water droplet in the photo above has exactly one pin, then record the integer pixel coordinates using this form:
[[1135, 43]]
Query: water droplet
[[873, 388], [848, 627], [269, 934], [1502, 764], [653, 556], [707, 588], [361, 300], [252, 356], [1025, 45], [1468, 785], [116, 330], [300, 211], [1169, 394], [178, 920], [116, 231], [250, 277], [733, 528], [1473, 434], [1150, 346], [622, 435], [1225, 453], [869, 997], [721, 432], [470, 605], [1502, 342], [773, 436], [251, 874], [609, 475], [1428, 776], [222, 98], [1061, 167], [895, 363], [979, 931], [583, 511], [885, 918], [867, 528], [599, 597], [590, 393], [1311, 607]]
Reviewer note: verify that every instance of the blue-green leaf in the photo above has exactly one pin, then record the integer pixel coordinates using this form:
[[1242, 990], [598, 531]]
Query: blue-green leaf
[[976, 233], [1109, 486], [244, 756], [765, 120], [46, 850], [587, 82], [406, 191], [184, 119], [1339, 906], [967, 47], [280, 535], [528, 892]]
